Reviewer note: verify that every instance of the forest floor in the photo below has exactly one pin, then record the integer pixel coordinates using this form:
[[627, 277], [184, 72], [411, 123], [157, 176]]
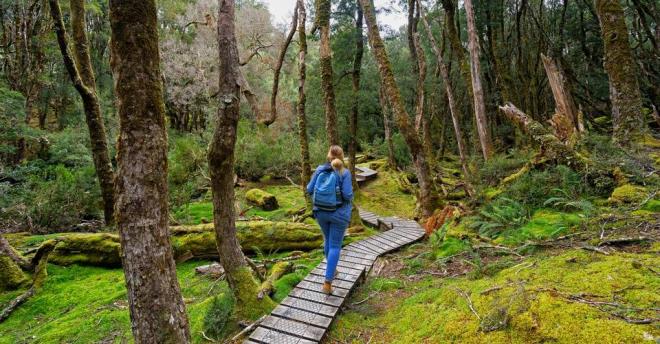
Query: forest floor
[[552, 278]]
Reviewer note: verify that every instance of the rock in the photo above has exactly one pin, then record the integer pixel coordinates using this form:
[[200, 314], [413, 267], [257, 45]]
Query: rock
[[214, 270], [262, 199]]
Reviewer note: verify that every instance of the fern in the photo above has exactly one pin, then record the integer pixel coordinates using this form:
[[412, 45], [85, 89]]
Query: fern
[[503, 214]]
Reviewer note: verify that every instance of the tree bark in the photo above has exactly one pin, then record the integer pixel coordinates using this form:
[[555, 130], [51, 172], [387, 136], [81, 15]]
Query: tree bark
[[391, 160], [619, 64], [158, 314], [455, 43], [449, 90], [566, 120], [306, 168], [355, 107], [278, 68], [325, 55], [426, 199], [221, 169], [477, 89], [81, 73]]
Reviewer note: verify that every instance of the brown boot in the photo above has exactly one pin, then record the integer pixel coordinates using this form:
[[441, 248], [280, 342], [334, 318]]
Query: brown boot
[[327, 288]]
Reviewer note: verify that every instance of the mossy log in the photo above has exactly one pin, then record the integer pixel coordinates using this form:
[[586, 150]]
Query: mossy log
[[193, 242], [11, 275], [262, 199], [278, 270]]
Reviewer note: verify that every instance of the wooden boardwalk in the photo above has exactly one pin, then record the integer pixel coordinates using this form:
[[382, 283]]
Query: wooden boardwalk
[[306, 313]]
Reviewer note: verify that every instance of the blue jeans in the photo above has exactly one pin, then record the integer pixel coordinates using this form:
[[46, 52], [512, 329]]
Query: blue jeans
[[333, 228]]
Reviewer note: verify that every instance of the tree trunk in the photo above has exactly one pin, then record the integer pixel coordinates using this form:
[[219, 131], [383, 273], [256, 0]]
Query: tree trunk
[[325, 55], [449, 89], [306, 168], [221, 169], [391, 161], [565, 121], [455, 43], [355, 108], [422, 169], [477, 89], [158, 314], [278, 68], [82, 75], [619, 64]]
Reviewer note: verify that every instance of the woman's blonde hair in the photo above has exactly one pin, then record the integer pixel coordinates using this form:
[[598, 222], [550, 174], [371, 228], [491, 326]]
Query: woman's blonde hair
[[336, 158]]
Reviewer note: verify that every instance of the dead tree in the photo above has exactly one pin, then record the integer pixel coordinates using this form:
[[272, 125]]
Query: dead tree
[[81, 73], [158, 314], [221, 169], [567, 120], [278, 68], [426, 197], [449, 90], [477, 88]]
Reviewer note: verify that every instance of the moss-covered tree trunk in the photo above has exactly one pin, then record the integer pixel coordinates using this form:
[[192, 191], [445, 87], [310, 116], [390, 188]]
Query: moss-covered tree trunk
[[384, 108], [79, 68], [158, 314], [306, 166], [426, 197], [619, 64], [278, 68], [455, 43], [221, 168], [325, 55], [449, 90], [477, 89], [355, 106]]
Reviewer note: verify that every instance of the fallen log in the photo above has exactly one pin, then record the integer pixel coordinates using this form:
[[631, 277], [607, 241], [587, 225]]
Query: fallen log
[[277, 271], [189, 242]]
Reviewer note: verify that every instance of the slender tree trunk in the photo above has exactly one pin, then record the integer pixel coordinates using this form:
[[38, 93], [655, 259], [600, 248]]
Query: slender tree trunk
[[619, 64], [158, 314], [566, 120], [79, 68], [355, 108], [221, 169], [278, 68], [455, 43], [302, 98], [477, 89], [426, 199], [391, 161], [325, 53], [449, 89]]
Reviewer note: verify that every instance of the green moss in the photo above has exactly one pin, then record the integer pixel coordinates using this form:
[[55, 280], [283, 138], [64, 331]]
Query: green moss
[[11, 275], [248, 306], [382, 196], [451, 246], [262, 199], [528, 302], [628, 193], [97, 249], [652, 205], [544, 224]]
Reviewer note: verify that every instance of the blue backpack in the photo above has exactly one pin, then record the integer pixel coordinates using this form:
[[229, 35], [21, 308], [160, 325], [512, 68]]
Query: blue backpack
[[327, 191]]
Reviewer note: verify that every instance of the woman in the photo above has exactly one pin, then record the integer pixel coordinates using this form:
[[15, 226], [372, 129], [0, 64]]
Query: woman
[[332, 194]]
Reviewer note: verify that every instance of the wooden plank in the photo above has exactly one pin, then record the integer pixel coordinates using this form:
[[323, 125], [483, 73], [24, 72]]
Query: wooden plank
[[309, 295], [310, 306], [293, 328], [344, 269], [397, 237], [302, 316], [387, 242], [407, 234], [318, 287], [342, 276], [336, 283], [357, 250], [364, 248], [361, 261], [264, 335], [363, 243], [361, 255]]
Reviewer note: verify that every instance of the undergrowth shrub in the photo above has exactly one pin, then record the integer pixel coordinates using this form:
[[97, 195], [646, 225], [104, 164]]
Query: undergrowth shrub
[[187, 168], [498, 216], [379, 148], [500, 166], [218, 315]]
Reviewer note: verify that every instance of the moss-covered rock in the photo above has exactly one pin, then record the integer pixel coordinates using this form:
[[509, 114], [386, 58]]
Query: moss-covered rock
[[628, 193], [11, 275], [192, 242], [262, 199]]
